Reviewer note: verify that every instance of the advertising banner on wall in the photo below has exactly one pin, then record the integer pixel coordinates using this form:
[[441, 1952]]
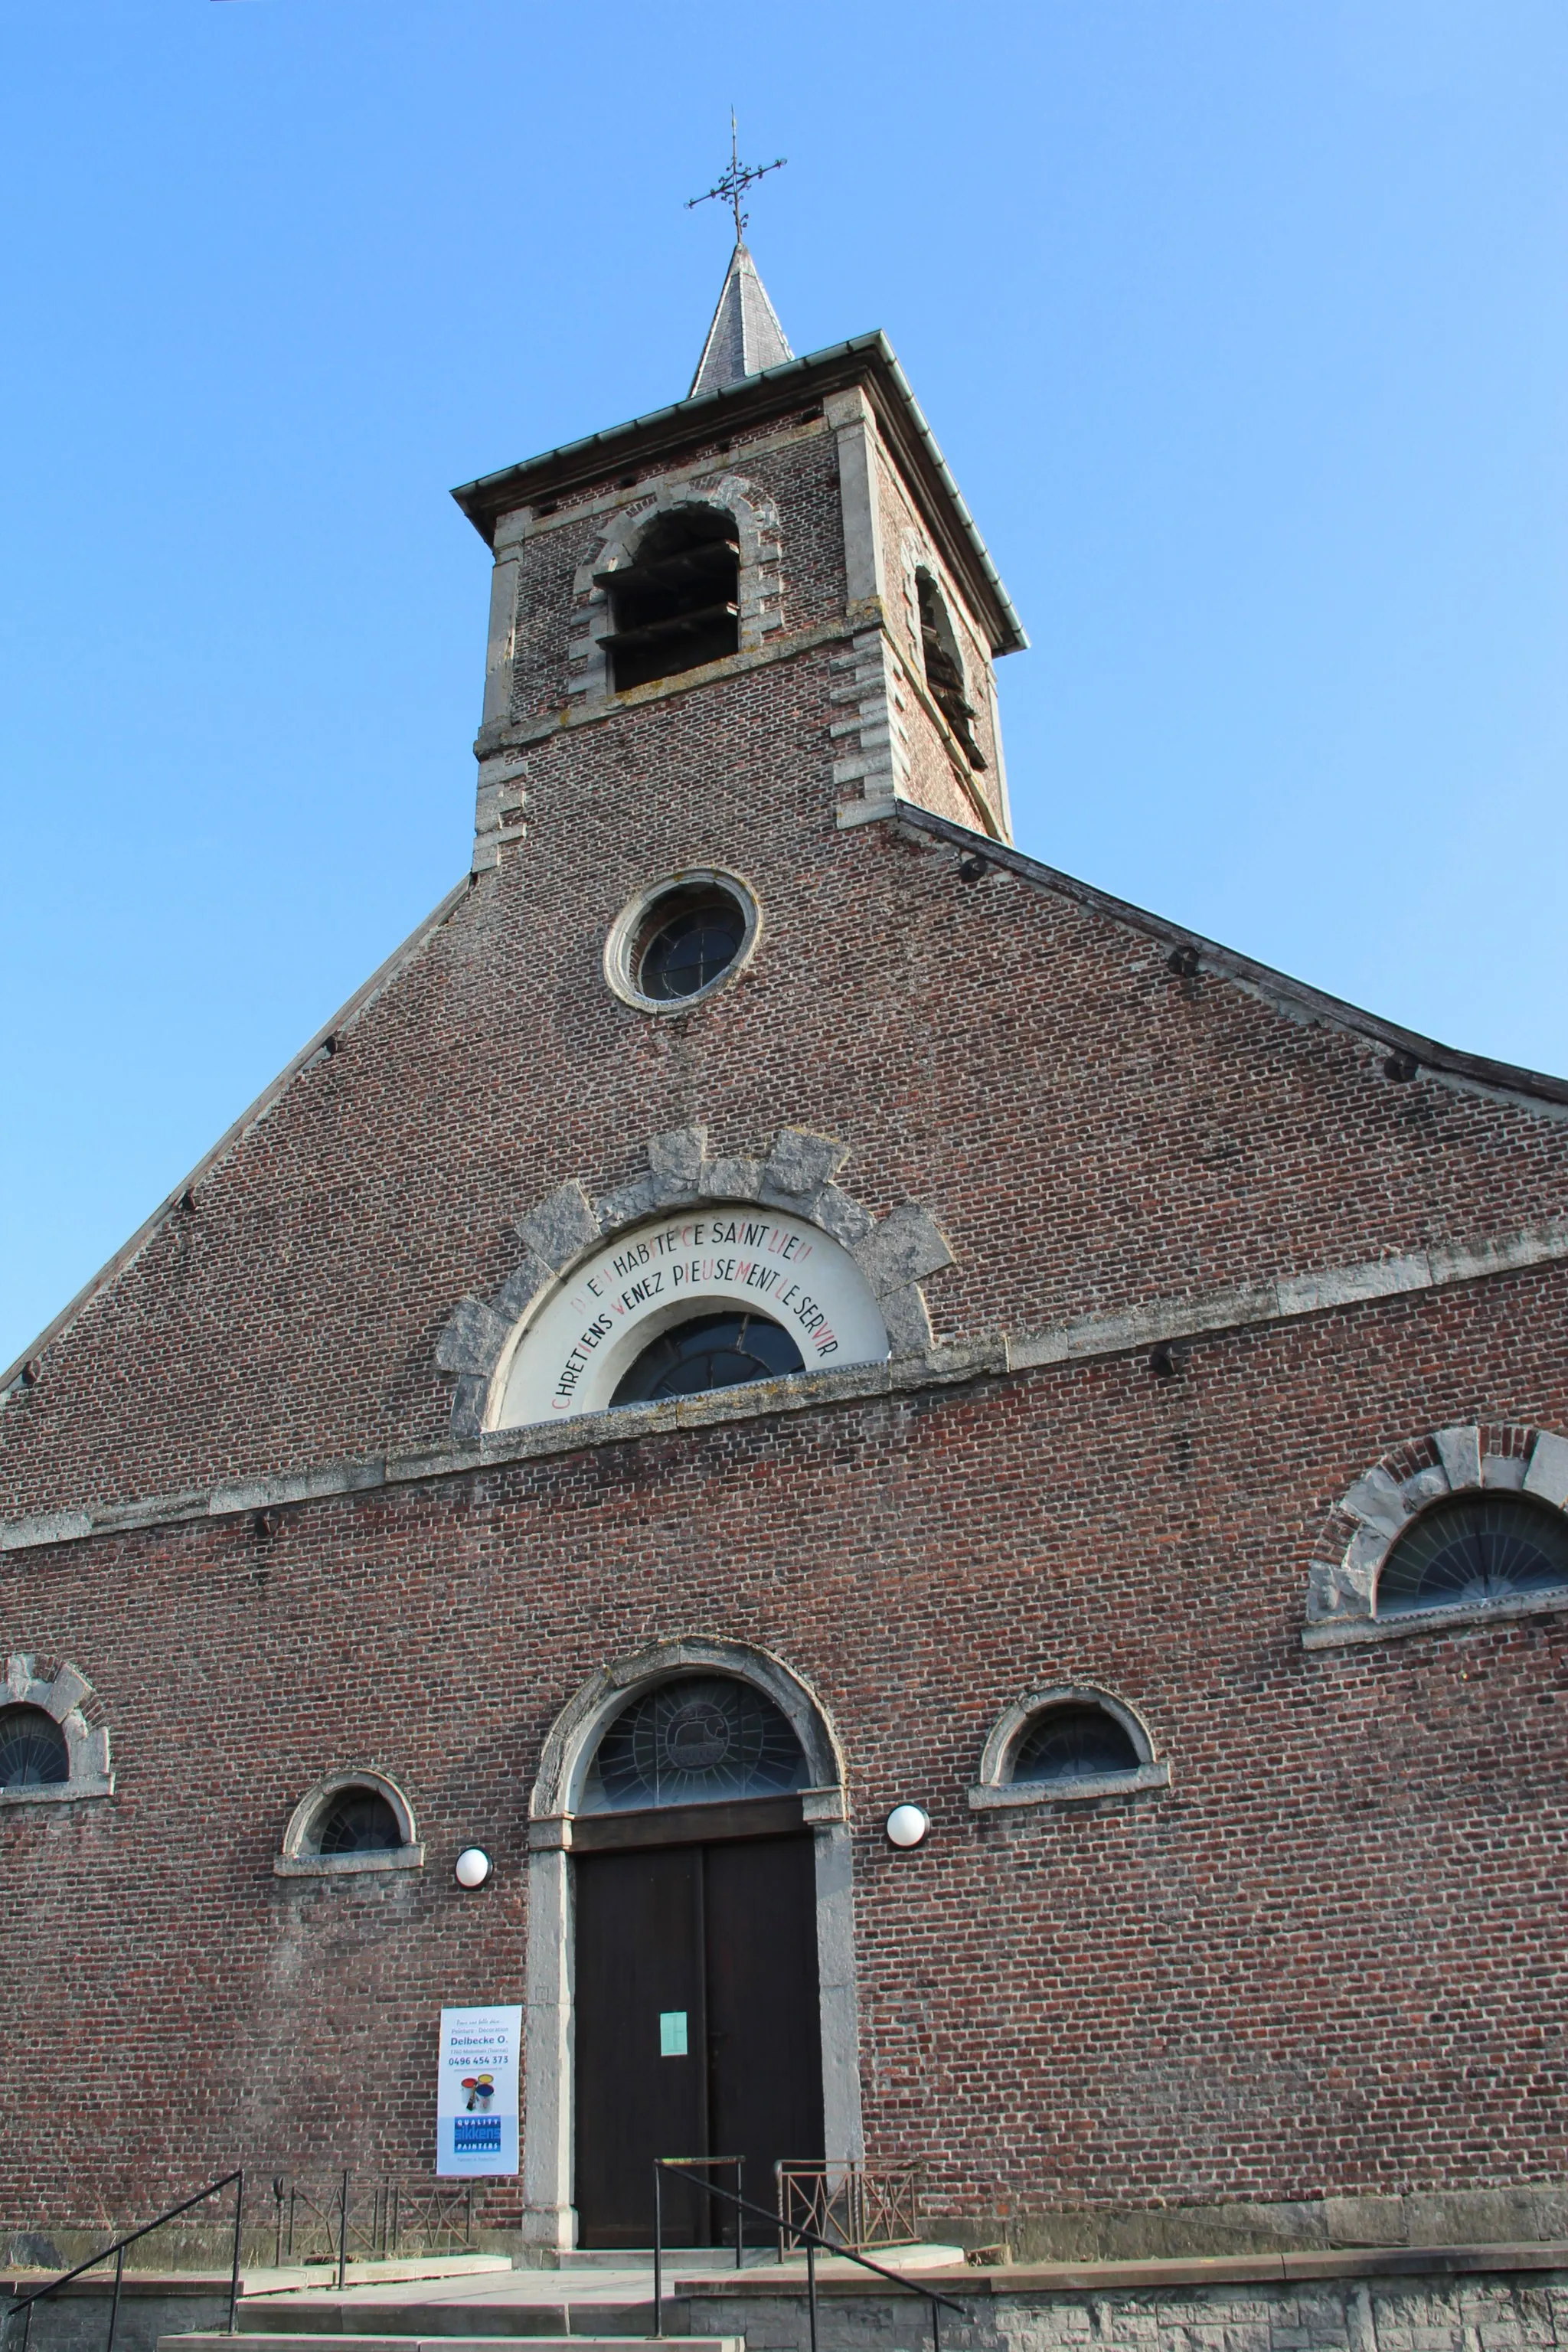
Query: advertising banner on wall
[[476, 2092]]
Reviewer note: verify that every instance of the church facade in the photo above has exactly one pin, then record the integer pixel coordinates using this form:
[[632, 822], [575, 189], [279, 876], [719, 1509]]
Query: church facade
[[960, 1491]]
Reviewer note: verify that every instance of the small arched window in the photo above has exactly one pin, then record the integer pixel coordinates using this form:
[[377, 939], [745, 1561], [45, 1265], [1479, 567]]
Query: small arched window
[[944, 666], [351, 1821], [49, 1751], [1072, 1742], [1474, 1548], [33, 1750], [677, 604], [697, 1739], [356, 1821], [1064, 1745], [712, 1351]]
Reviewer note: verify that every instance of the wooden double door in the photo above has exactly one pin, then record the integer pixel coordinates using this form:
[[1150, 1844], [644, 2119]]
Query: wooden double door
[[698, 2029]]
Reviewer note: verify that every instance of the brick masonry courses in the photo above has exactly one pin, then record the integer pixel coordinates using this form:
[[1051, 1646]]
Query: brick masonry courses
[[1326, 1962], [1328, 1959]]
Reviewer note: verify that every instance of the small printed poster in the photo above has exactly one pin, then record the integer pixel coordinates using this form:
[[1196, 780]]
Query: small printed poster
[[476, 2092]]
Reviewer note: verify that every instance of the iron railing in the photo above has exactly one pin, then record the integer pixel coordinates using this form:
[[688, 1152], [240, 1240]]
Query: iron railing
[[349, 2219], [850, 2203], [25, 2303], [802, 2235]]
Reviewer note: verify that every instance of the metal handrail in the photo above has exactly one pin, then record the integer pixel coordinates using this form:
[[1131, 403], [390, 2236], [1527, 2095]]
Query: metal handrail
[[798, 2232], [26, 2302]]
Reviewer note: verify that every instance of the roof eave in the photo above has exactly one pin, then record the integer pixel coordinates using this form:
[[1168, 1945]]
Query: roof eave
[[555, 472]]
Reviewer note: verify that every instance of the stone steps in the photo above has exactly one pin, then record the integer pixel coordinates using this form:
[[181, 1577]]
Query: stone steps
[[309, 2319], [391, 2341]]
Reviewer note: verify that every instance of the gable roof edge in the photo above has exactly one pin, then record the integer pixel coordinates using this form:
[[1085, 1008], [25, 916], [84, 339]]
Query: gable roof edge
[[129, 1251], [1505, 1077]]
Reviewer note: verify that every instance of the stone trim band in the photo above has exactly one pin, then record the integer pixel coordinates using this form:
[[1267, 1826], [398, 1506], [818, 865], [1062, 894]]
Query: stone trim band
[[1087, 1339]]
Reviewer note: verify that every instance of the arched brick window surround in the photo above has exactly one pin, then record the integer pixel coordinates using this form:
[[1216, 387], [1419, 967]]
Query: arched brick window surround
[[760, 587], [995, 1789], [895, 1253], [1365, 1523], [296, 1860], [63, 1695], [563, 1767]]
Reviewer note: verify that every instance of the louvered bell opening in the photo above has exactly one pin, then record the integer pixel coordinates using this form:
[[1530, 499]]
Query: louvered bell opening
[[678, 606]]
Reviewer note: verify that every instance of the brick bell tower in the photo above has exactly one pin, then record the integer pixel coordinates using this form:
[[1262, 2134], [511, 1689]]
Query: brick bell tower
[[785, 542]]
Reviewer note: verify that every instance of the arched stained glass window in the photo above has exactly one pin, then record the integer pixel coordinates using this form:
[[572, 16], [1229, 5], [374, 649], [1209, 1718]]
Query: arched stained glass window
[[356, 1821], [33, 1751], [1481, 1546], [701, 1739], [712, 1351], [1072, 1742]]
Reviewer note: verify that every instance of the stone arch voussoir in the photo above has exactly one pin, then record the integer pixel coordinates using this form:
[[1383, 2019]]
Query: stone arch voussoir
[[1370, 1517], [895, 1253], [569, 1745]]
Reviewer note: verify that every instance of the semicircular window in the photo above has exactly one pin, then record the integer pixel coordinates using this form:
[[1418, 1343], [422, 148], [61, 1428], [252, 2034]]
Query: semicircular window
[[712, 1351], [1474, 1548], [33, 1751], [702, 1739], [356, 1821], [1073, 1742]]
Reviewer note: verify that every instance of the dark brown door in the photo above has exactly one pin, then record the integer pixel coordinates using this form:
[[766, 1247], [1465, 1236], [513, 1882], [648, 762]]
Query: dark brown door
[[697, 2029]]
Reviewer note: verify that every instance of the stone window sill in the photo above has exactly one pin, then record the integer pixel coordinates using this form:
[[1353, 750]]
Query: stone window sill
[[348, 1865], [1344, 1633], [60, 1793], [1070, 1793]]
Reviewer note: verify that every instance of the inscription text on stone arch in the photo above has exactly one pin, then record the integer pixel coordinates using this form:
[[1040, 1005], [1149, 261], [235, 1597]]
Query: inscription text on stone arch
[[572, 1354]]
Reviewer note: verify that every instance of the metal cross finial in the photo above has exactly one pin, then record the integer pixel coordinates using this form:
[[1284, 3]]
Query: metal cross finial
[[734, 183]]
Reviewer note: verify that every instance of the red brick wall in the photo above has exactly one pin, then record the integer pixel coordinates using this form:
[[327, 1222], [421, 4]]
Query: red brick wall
[[1328, 1958]]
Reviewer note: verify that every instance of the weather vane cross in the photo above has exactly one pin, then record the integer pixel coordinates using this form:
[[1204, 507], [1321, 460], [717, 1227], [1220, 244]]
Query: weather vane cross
[[734, 183]]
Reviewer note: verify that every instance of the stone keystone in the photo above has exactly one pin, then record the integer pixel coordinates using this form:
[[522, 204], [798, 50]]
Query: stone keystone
[[680, 1154], [559, 1227], [800, 1164], [906, 1245]]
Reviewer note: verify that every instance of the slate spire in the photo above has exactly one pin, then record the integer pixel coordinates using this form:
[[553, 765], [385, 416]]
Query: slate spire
[[745, 336]]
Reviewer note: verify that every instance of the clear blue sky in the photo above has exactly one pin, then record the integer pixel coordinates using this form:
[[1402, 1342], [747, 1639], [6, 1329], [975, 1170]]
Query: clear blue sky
[[1241, 322]]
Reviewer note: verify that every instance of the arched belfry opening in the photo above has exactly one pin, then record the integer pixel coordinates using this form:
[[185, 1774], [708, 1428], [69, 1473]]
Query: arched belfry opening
[[677, 604], [691, 1961]]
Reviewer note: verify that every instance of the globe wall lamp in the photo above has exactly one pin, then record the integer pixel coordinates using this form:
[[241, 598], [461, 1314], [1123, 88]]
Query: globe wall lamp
[[473, 1866], [907, 1826]]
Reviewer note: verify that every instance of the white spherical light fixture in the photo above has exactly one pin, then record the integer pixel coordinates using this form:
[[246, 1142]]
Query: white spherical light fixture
[[907, 1826], [473, 1866]]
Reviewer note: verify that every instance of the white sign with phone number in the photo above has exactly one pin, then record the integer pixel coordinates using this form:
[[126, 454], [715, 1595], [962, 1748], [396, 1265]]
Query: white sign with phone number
[[476, 2102]]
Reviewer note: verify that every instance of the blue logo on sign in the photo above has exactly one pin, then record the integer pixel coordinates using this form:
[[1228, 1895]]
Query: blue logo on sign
[[476, 2134]]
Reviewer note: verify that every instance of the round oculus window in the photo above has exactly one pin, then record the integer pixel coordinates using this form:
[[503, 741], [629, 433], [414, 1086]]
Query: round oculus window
[[679, 942]]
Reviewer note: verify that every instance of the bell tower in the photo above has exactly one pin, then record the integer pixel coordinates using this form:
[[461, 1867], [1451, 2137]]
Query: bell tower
[[777, 568]]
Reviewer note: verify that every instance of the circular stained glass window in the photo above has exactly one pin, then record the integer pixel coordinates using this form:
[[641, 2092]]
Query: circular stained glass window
[[681, 939], [712, 1351], [701, 1741], [1474, 1548], [1073, 1743], [33, 1751], [687, 942], [357, 1820]]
